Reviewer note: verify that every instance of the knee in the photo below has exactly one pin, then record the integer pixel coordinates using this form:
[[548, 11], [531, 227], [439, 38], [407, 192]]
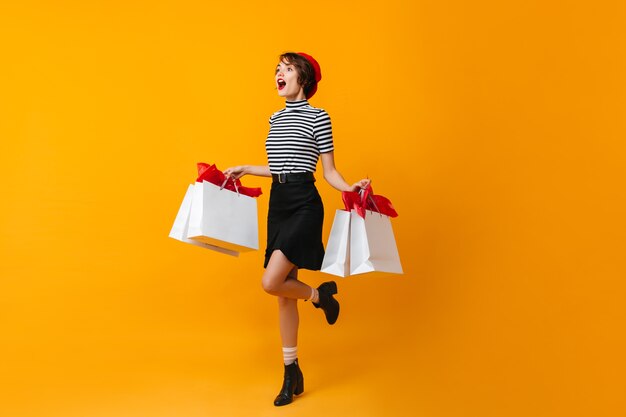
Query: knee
[[269, 285]]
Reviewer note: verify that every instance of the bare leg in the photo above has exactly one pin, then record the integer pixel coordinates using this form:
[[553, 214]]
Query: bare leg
[[281, 279], [288, 317], [275, 280]]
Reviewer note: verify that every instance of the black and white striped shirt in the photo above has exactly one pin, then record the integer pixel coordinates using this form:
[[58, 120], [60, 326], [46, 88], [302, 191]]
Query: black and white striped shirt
[[299, 133]]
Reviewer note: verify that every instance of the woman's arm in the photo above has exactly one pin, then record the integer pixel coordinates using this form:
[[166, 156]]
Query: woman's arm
[[241, 170], [334, 178]]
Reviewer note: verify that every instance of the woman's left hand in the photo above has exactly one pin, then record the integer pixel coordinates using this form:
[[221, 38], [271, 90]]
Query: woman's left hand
[[360, 185], [235, 172]]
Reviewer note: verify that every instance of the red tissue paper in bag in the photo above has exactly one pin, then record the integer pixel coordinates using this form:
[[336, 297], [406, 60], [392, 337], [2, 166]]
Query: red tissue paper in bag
[[211, 174], [367, 200]]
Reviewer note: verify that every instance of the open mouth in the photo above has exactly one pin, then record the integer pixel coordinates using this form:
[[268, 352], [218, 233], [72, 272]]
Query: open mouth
[[281, 83]]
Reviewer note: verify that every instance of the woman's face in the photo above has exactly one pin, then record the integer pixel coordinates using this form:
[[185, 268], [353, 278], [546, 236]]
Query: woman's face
[[287, 82]]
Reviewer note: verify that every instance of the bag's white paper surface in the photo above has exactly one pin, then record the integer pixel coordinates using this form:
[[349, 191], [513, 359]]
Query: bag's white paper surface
[[337, 256], [223, 218], [181, 226], [372, 244]]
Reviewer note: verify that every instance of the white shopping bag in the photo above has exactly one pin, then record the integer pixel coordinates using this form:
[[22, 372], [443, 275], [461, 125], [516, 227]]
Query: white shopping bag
[[223, 218], [181, 225], [337, 256], [372, 244]]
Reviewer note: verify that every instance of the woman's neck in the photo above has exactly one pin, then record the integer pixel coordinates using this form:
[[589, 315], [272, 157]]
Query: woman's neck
[[296, 97]]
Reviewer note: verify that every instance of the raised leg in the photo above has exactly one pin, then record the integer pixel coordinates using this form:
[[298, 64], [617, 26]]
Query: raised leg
[[275, 280]]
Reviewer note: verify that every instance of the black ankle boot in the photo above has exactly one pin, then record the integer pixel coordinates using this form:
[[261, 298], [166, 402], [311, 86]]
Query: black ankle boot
[[293, 384], [327, 302]]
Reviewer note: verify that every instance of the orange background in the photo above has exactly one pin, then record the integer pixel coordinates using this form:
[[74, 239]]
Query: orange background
[[496, 128]]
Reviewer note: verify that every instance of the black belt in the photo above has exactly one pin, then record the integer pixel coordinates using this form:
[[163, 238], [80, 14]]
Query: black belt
[[294, 177]]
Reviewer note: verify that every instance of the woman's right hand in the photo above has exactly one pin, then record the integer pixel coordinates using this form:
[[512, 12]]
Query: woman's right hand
[[235, 172]]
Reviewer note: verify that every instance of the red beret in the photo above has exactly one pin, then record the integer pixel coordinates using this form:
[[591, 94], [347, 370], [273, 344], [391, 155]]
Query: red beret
[[318, 72]]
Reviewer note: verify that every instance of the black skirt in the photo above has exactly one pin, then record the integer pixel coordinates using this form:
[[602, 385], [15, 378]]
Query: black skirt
[[294, 224]]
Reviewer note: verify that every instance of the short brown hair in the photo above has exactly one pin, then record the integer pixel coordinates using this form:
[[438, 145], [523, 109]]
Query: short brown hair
[[306, 72]]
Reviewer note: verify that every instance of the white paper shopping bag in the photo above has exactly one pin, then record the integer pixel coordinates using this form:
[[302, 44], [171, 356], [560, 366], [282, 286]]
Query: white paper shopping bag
[[181, 225], [337, 256], [223, 218], [372, 244]]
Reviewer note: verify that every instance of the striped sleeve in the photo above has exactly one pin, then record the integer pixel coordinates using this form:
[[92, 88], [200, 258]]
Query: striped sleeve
[[323, 132]]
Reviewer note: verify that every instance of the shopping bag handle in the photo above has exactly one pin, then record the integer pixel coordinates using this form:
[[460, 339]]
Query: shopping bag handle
[[234, 182], [371, 200]]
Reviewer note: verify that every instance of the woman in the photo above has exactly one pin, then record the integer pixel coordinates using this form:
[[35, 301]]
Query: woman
[[299, 135]]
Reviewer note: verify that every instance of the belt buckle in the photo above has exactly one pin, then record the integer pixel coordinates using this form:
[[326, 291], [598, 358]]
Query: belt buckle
[[282, 178]]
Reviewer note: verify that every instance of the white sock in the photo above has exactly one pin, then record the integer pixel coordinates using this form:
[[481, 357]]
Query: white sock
[[290, 354], [315, 296]]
